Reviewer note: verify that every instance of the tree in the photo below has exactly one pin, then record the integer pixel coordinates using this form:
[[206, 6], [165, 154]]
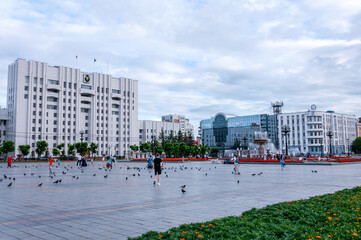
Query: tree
[[356, 145], [214, 151], [7, 147], [162, 139], [204, 149], [93, 148], [24, 149], [61, 148], [189, 139], [171, 138], [71, 149], [55, 151], [184, 149], [41, 147], [195, 150], [81, 148], [144, 147], [176, 149], [134, 148], [180, 136], [154, 144], [168, 149], [160, 150]]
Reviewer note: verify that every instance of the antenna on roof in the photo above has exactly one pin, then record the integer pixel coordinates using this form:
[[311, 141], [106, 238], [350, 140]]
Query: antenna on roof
[[277, 107]]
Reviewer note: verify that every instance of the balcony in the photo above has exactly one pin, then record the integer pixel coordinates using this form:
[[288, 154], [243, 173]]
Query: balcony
[[116, 96], [87, 92]]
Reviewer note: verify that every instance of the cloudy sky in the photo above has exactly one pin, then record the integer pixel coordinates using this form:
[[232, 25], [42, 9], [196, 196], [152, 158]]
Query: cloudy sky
[[199, 57]]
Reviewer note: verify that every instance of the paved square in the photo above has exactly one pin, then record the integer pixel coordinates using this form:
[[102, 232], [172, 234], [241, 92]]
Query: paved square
[[94, 207]]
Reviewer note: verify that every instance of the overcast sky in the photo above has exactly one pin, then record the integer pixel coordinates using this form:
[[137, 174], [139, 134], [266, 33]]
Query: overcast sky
[[198, 57]]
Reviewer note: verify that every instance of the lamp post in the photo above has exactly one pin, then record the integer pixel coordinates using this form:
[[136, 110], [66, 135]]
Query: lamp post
[[285, 130], [330, 134], [245, 138]]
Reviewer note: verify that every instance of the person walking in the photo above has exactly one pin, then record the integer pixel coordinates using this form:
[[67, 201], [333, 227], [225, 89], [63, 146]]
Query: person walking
[[235, 164], [283, 161], [150, 162], [9, 161], [79, 160], [158, 164]]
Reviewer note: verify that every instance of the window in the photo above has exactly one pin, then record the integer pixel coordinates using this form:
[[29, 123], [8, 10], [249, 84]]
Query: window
[[26, 96], [52, 107], [41, 80], [86, 86], [26, 88], [35, 80], [27, 80], [34, 89], [55, 82]]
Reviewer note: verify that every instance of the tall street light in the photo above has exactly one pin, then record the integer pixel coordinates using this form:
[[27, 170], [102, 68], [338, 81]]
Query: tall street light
[[285, 130], [330, 134], [348, 148], [81, 140], [321, 148]]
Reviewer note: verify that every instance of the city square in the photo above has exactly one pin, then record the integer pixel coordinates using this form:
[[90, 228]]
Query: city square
[[127, 204]]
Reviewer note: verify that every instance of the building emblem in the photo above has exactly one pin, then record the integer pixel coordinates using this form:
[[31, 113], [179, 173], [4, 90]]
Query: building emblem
[[87, 79]]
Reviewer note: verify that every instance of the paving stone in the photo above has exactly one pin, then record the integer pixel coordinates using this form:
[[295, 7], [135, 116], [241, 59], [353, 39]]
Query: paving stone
[[94, 207]]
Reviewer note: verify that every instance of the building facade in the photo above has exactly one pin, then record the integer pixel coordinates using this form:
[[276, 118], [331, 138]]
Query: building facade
[[57, 103], [358, 128], [3, 124], [224, 131], [186, 127], [148, 130], [308, 132]]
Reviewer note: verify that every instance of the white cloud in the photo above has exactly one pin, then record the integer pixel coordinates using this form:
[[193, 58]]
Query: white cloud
[[199, 57]]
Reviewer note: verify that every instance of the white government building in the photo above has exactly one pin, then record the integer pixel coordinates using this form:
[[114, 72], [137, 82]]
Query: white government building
[[308, 132], [60, 104], [57, 104]]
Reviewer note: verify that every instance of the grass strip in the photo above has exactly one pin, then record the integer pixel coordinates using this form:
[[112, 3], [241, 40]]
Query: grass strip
[[330, 216]]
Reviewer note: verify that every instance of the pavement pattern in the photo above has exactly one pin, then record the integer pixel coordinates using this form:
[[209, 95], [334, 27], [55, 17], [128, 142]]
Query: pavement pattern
[[87, 205]]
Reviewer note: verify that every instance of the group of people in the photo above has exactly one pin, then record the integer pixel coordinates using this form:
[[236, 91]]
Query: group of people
[[157, 164]]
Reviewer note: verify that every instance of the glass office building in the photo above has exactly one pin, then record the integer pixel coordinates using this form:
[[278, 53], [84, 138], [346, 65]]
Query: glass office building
[[224, 131]]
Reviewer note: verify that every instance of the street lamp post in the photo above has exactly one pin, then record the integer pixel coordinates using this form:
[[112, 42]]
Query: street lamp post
[[321, 149], [285, 130], [330, 134], [81, 139]]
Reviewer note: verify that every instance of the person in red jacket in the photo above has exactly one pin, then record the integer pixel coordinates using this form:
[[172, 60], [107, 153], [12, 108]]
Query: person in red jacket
[[9, 160]]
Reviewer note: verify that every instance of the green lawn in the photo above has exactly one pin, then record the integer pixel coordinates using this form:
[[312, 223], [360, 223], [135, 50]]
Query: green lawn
[[330, 216]]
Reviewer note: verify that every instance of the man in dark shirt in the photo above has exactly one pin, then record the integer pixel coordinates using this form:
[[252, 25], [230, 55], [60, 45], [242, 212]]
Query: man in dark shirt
[[158, 164]]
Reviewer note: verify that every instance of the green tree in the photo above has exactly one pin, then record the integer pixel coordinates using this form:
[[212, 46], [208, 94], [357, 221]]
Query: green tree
[[134, 148], [168, 149], [195, 150], [93, 148], [81, 148], [184, 149], [7, 147], [71, 150], [189, 140], [214, 151], [55, 152], [24, 149], [162, 138], [160, 150], [154, 144], [41, 147], [356, 145], [144, 147], [176, 149], [171, 138], [61, 148], [180, 136], [204, 149]]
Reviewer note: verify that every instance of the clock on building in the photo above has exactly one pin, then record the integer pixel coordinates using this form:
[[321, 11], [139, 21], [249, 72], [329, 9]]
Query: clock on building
[[313, 107], [86, 78]]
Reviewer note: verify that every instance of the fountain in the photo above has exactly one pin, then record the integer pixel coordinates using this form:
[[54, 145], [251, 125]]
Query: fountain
[[261, 139]]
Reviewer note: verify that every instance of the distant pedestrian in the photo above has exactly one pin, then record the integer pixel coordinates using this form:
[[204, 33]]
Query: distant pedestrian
[[235, 164], [9, 161], [150, 162], [79, 160], [158, 164], [283, 161], [103, 158], [58, 162], [51, 173]]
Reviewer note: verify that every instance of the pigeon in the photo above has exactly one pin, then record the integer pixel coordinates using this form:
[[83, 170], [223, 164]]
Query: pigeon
[[206, 174], [133, 175], [151, 176], [238, 181], [105, 176], [5, 176], [77, 178], [1, 179], [253, 174], [32, 174], [59, 180], [73, 176], [183, 191], [94, 174], [39, 185], [126, 178], [10, 184], [259, 174], [183, 186], [315, 171], [24, 174], [166, 175], [56, 181], [138, 174]]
